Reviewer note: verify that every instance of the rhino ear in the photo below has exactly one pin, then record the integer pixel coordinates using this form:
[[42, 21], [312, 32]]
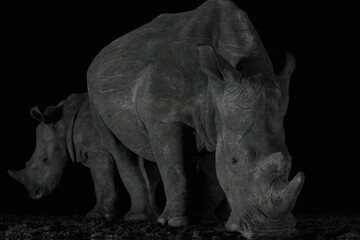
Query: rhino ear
[[36, 114], [284, 79], [53, 113], [214, 65]]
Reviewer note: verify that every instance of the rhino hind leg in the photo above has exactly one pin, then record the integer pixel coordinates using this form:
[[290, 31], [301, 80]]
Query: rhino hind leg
[[166, 142], [128, 168], [130, 172], [103, 171]]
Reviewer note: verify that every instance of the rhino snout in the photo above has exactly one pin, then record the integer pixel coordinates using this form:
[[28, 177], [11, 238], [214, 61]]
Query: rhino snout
[[250, 228], [37, 192]]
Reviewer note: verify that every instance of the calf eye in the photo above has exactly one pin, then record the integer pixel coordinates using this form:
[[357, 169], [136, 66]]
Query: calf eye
[[252, 154], [234, 160]]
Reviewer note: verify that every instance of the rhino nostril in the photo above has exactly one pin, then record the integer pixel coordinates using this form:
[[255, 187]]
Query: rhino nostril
[[37, 193]]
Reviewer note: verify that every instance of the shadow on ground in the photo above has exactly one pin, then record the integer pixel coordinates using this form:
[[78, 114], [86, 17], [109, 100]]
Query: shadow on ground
[[78, 227]]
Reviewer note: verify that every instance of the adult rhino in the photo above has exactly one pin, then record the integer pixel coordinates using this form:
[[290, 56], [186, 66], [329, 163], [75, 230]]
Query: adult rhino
[[205, 69]]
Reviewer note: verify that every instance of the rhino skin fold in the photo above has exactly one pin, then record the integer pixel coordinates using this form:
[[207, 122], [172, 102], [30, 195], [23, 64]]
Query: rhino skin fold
[[205, 69]]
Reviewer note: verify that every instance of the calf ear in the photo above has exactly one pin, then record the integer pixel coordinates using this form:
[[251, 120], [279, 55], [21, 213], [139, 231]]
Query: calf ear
[[53, 113], [36, 114]]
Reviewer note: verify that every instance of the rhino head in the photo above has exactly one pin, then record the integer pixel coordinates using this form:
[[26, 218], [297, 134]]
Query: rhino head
[[43, 172], [252, 160]]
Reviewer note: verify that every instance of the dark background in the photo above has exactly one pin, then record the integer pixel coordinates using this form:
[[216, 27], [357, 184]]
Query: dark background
[[47, 47]]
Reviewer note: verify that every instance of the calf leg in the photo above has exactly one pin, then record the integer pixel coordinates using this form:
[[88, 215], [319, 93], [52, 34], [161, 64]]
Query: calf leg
[[166, 142], [103, 170], [134, 182], [152, 178], [128, 168]]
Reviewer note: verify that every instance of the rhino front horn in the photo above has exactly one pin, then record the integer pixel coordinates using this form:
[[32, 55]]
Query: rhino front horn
[[292, 190], [17, 175]]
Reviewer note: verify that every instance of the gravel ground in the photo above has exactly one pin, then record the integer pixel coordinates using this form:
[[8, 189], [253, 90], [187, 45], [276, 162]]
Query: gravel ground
[[78, 227]]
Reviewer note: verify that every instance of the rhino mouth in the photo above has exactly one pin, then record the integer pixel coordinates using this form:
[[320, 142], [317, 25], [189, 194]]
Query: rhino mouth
[[250, 228], [37, 192]]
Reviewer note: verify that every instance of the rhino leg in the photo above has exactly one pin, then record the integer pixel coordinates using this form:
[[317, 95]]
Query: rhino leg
[[166, 142], [128, 168], [152, 178], [130, 172], [103, 172]]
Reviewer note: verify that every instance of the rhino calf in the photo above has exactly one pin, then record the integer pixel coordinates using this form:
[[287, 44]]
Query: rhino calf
[[66, 133]]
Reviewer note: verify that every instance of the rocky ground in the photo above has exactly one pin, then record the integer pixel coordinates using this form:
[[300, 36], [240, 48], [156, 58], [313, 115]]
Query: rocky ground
[[78, 227]]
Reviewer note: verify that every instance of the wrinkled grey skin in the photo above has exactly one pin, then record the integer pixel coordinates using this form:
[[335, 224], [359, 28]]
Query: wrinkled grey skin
[[205, 69], [66, 133]]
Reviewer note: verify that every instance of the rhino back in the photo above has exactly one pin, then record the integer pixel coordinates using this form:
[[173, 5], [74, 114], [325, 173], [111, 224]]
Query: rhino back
[[152, 73]]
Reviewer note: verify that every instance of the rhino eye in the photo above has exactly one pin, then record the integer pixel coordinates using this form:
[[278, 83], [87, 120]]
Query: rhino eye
[[235, 167], [44, 160]]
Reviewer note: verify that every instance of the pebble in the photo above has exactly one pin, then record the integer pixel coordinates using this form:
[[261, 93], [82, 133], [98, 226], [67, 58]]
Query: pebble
[[349, 235], [216, 237], [96, 235], [230, 234], [197, 235]]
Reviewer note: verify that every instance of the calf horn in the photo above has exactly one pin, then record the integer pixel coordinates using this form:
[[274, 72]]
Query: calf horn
[[17, 175]]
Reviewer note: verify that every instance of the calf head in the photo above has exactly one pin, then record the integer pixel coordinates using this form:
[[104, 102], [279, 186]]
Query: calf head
[[43, 172], [252, 161]]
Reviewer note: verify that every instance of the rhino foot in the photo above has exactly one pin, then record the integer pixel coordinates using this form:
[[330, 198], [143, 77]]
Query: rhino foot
[[178, 221], [139, 215], [143, 213], [96, 214]]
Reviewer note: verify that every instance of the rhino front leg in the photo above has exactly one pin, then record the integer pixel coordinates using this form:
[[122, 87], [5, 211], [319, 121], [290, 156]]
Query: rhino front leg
[[152, 178], [103, 171], [166, 142]]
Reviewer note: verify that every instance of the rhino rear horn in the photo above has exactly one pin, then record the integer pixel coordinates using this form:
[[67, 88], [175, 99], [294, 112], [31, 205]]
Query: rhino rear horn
[[276, 162]]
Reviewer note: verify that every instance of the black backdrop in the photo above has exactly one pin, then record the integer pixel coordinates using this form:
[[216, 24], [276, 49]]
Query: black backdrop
[[47, 47]]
